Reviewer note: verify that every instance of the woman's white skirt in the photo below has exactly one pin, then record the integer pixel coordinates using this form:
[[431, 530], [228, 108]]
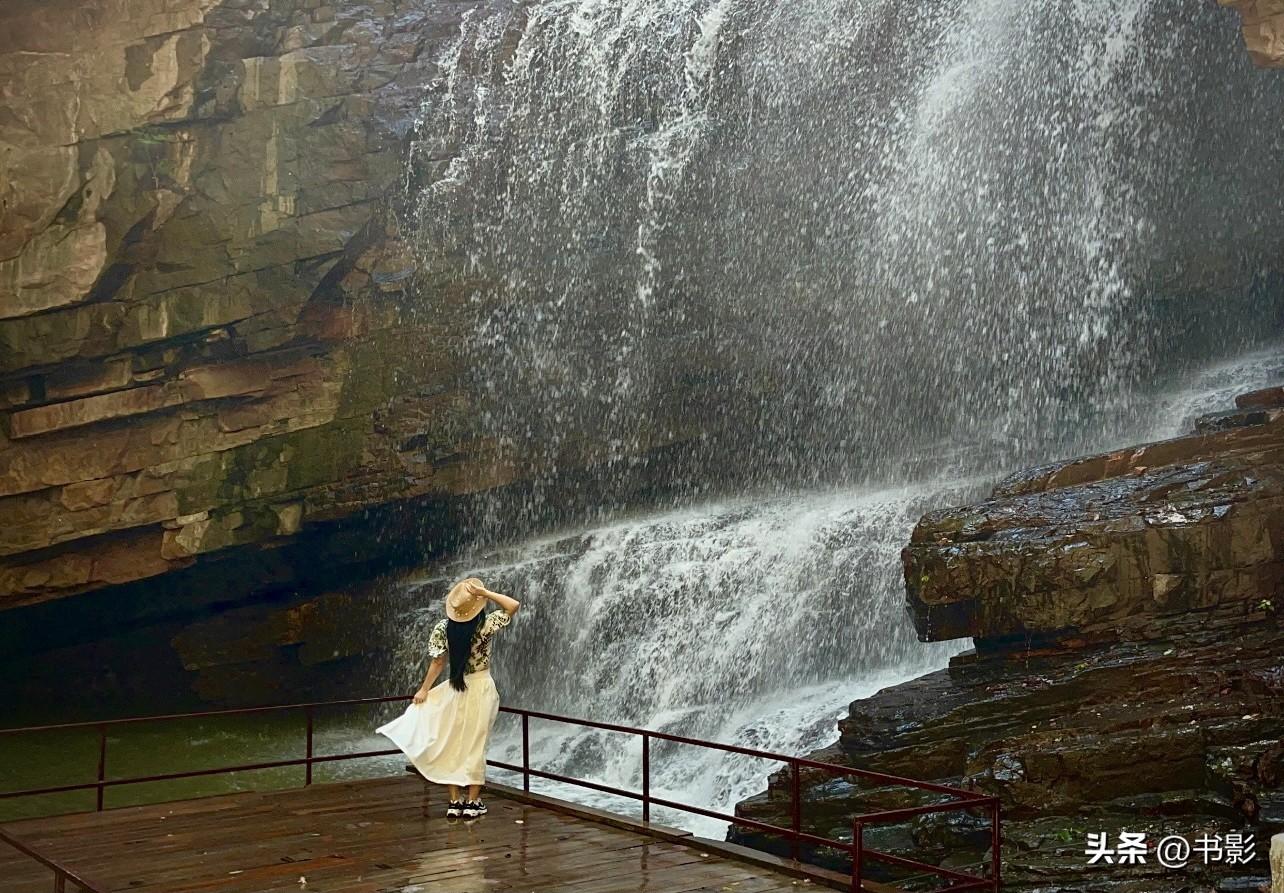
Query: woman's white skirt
[[445, 737]]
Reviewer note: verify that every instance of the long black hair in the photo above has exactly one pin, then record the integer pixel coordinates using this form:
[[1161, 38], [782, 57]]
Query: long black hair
[[459, 641]]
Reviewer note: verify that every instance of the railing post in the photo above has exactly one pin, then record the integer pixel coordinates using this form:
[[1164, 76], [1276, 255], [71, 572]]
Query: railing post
[[646, 777], [996, 844], [858, 854], [526, 752], [307, 767], [102, 764], [795, 784], [60, 882]]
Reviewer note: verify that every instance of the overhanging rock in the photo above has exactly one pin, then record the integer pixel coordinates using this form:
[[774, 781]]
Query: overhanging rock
[[1123, 545]]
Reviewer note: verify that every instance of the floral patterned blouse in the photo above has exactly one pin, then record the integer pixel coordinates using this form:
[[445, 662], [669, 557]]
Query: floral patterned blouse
[[479, 656]]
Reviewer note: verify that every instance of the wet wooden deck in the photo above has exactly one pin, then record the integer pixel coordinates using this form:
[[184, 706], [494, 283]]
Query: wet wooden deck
[[376, 836]]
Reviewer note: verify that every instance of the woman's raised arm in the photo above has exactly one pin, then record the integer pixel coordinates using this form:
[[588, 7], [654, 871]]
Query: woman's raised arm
[[507, 603]]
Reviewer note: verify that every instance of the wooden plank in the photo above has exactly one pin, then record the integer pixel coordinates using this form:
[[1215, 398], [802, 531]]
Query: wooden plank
[[377, 835], [22, 874]]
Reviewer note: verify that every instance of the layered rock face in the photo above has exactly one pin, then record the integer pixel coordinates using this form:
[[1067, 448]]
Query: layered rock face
[[204, 335], [206, 332], [1128, 676], [1263, 30], [1119, 546]]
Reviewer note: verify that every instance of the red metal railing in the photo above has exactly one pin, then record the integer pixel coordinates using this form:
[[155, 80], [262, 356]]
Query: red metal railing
[[860, 854], [963, 799]]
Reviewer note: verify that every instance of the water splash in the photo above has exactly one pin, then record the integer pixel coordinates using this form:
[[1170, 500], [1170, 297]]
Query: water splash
[[802, 240], [1213, 389], [814, 244], [753, 621], [750, 621]]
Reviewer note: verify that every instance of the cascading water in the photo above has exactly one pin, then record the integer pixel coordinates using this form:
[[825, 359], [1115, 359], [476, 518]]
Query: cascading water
[[1213, 389], [754, 622], [812, 237], [867, 248]]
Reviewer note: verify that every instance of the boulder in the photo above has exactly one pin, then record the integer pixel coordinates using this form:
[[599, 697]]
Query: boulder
[[1266, 398], [1127, 615], [1121, 545]]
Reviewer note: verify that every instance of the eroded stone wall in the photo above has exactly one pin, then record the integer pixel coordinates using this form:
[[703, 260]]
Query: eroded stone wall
[[203, 336]]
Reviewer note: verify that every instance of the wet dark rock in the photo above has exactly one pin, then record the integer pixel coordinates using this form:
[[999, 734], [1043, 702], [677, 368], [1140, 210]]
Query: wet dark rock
[[1266, 398], [1162, 737], [1235, 418], [1118, 546], [1244, 885], [1128, 674]]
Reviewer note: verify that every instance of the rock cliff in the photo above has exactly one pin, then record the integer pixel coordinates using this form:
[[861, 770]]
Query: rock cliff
[[1127, 674], [212, 336], [1120, 546], [198, 322]]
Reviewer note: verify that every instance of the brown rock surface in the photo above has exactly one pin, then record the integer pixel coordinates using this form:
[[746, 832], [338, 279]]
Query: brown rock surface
[[207, 335], [179, 180], [1128, 674], [1263, 30], [1266, 398], [1110, 546], [1167, 737]]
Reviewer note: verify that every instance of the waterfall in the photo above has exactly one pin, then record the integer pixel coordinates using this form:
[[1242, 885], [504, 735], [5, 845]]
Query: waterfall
[[804, 239], [1213, 389], [855, 255], [753, 622]]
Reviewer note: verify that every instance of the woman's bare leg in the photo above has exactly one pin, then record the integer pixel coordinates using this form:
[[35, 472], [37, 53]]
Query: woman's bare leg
[[454, 792], [474, 792]]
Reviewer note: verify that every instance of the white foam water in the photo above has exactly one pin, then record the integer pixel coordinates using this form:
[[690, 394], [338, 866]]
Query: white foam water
[[753, 622], [836, 231], [1213, 389]]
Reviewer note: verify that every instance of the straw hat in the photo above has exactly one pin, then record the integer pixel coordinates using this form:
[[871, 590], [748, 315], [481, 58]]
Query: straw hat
[[463, 603]]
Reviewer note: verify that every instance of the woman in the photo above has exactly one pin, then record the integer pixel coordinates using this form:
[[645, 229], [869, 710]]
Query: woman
[[445, 729]]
